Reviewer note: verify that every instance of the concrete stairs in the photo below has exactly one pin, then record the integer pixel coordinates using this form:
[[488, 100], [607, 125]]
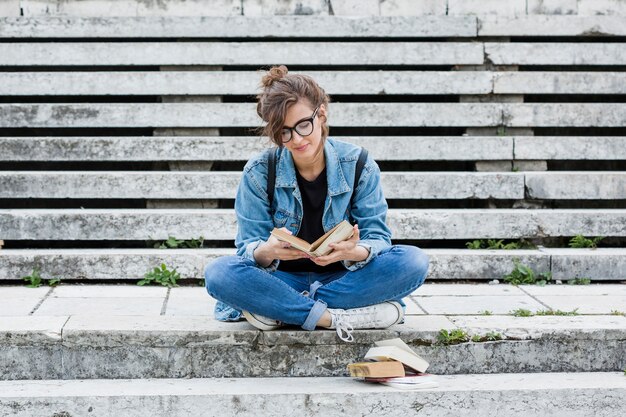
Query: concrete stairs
[[127, 123]]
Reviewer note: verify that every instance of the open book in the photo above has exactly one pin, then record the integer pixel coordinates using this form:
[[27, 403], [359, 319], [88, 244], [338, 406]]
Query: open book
[[320, 247]]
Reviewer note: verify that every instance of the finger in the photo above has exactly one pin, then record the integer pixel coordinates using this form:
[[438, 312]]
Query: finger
[[286, 230]]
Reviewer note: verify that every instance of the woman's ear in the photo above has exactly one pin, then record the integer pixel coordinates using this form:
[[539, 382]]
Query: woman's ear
[[322, 112]]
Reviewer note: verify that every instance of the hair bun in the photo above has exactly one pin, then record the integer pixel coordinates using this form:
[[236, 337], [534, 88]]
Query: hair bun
[[274, 74]]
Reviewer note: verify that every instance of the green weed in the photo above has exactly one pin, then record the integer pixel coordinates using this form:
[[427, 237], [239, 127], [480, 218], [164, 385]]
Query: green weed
[[579, 241], [34, 280], [579, 281], [522, 274], [499, 244], [617, 313], [574, 312], [173, 243], [521, 312], [162, 276], [452, 337], [485, 313]]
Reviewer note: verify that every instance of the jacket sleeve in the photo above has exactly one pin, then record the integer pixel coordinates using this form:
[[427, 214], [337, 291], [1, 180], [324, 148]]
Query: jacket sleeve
[[254, 219], [369, 210]]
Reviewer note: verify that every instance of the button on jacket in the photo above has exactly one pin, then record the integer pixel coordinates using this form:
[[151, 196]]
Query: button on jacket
[[256, 219]]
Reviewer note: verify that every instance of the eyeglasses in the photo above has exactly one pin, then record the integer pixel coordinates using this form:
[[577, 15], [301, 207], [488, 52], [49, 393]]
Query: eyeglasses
[[303, 127]]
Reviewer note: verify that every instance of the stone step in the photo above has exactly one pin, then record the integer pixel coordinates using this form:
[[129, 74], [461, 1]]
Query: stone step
[[445, 264], [239, 53], [96, 340], [553, 53], [164, 27], [183, 83], [515, 395], [551, 25], [220, 224], [587, 185], [344, 114], [195, 185], [382, 148]]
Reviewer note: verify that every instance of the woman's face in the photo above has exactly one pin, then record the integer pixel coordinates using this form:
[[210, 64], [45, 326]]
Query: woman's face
[[304, 148]]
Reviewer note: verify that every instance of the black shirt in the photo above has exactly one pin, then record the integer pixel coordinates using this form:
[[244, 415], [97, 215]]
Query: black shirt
[[313, 198]]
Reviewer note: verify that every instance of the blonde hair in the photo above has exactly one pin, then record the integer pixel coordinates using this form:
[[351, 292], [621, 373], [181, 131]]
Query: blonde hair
[[280, 91]]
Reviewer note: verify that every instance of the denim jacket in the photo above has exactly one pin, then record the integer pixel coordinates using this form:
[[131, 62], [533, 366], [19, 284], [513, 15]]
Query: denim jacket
[[256, 219]]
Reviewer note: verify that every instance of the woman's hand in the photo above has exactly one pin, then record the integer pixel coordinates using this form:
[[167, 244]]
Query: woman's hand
[[273, 248], [348, 250]]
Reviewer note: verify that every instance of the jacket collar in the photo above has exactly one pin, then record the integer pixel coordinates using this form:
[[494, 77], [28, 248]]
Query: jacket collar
[[286, 171]]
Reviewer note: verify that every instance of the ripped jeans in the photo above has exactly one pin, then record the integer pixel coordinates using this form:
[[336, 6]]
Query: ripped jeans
[[394, 273]]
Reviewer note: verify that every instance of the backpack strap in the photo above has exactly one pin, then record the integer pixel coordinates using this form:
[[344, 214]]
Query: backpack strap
[[360, 163], [271, 176]]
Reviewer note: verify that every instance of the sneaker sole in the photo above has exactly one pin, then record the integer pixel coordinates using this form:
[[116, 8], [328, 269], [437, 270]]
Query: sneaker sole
[[400, 311], [259, 324]]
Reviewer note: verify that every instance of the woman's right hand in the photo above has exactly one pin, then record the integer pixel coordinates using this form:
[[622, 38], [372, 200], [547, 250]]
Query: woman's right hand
[[273, 248]]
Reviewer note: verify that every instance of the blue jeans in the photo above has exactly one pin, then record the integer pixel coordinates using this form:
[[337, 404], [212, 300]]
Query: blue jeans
[[394, 273]]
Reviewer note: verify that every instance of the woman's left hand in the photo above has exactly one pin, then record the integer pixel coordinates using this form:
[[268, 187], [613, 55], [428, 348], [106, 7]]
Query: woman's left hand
[[347, 250]]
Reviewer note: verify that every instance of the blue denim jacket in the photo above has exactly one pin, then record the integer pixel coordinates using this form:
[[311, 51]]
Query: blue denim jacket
[[256, 219]]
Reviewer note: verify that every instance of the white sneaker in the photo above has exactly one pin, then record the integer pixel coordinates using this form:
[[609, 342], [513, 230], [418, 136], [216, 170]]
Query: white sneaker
[[377, 316], [261, 322]]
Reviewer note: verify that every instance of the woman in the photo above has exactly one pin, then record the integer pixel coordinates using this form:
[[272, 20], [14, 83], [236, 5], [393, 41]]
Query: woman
[[358, 285]]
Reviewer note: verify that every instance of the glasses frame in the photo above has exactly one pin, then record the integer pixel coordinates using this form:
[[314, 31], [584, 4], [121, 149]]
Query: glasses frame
[[295, 127]]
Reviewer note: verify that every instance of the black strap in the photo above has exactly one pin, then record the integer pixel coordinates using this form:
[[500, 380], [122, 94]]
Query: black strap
[[271, 174], [360, 163]]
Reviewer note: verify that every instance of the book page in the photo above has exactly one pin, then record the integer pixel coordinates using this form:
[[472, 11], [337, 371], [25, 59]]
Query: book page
[[397, 342], [340, 233]]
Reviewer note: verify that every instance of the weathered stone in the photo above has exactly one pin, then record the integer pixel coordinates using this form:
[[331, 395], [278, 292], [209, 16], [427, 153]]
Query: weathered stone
[[560, 395], [355, 7], [109, 306], [576, 185], [596, 264], [428, 290], [198, 83], [189, 302], [193, 185], [282, 7], [475, 304], [244, 53], [481, 264], [559, 82], [242, 148], [244, 114], [486, 7], [602, 7], [10, 8], [530, 166], [558, 7], [220, 224], [565, 114], [413, 8], [493, 166], [552, 26], [568, 147], [130, 7], [238, 27], [27, 330], [585, 304], [551, 53]]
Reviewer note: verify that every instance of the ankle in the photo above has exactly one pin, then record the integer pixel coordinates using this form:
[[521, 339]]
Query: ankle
[[326, 319]]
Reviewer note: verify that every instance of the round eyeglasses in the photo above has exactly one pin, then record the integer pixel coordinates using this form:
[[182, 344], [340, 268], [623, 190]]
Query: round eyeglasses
[[303, 127]]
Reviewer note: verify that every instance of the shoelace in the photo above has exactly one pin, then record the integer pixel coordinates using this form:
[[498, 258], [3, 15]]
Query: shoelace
[[342, 325]]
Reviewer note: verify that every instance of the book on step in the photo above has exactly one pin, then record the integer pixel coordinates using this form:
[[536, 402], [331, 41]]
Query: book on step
[[396, 349], [376, 369], [339, 233]]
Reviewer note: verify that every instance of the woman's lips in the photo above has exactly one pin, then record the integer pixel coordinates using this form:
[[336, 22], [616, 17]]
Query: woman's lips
[[301, 148]]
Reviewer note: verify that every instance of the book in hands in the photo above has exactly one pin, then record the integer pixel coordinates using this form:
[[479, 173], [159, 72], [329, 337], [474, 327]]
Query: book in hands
[[339, 233]]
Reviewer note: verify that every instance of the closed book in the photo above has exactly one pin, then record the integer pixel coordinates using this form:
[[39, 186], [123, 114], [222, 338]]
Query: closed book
[[376, 369], [396, 349]]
